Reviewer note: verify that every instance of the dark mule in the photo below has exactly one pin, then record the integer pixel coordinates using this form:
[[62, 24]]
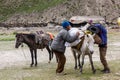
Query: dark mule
[[30, 41]]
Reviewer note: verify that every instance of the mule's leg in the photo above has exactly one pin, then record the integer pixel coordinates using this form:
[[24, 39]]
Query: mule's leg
[[35, 52], [56, 58], [50, 53], [31, 51], [91, 62], [83, 56], [79, 64], [75, 57], [51, 49]]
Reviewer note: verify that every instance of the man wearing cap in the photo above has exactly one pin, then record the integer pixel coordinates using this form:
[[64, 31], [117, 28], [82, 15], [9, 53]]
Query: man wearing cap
[[58, 45], [102, 32]]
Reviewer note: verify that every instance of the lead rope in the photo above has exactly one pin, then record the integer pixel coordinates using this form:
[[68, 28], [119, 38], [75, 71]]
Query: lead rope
[[23, 53], [111, 57]]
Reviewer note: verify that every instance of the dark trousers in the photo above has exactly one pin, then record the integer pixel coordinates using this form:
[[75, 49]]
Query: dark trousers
[[61, 61], [103, 51]]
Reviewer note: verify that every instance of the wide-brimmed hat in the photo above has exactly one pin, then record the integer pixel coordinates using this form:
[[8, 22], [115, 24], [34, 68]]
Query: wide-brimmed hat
[[93, 29]]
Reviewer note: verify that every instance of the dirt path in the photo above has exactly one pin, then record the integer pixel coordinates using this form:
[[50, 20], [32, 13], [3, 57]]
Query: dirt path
[[21, 56]]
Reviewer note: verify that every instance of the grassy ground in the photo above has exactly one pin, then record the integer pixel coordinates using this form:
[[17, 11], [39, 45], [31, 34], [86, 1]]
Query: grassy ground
[[46, 71]]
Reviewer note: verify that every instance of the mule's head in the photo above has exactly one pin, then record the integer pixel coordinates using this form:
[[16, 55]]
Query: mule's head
[[19, 39], [91, 39], [90, 42]]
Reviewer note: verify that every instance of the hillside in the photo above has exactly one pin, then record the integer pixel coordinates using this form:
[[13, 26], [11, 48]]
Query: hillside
[[9, 8], [43, 11]]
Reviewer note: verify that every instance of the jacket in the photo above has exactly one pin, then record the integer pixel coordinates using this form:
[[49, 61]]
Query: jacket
[[102, 33], [63, 36]]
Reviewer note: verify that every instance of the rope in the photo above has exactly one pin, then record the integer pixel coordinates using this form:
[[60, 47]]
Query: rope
[[23, 53], [110, 54]]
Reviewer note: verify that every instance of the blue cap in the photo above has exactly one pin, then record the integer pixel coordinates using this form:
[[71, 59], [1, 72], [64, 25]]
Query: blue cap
[[65, 24]]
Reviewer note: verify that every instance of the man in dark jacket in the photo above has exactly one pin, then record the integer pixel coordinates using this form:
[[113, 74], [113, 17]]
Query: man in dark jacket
[[103, 47], [58, 45]]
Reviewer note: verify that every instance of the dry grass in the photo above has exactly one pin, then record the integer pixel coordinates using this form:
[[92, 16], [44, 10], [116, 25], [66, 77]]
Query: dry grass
[[46, 71]]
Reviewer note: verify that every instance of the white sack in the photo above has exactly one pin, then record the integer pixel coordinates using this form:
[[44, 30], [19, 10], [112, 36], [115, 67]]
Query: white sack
[[72, 33]]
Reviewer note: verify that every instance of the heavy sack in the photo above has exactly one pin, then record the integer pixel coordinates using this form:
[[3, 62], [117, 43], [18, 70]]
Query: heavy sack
[[72, 33], [42, 38]]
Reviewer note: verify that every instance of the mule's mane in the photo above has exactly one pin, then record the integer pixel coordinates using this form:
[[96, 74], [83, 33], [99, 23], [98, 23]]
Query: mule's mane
[[30, 36]]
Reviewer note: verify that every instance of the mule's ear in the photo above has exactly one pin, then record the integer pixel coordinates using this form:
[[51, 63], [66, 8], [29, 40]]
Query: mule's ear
[[17, 34]]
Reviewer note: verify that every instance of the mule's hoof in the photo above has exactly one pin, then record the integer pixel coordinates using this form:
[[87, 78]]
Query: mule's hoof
[[48, 61], [81, 71], [35, 65], [94, 71], [80, 67], [75, 68], [31, 65]]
